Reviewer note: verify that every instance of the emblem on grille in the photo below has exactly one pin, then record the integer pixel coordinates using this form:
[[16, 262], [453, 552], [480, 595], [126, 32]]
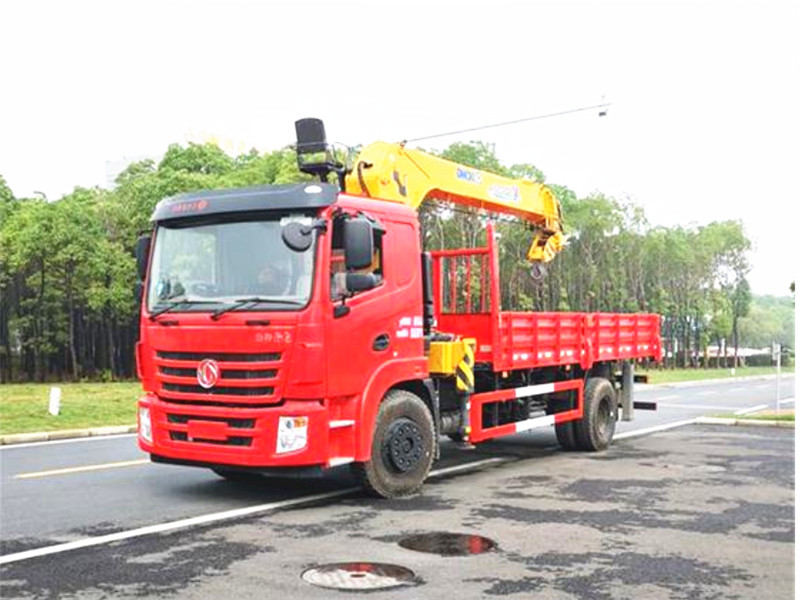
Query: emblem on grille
[[207, 373]]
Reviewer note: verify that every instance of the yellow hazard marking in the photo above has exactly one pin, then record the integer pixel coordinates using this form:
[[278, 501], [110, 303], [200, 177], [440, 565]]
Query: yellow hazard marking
[[465, 376], [83, 469]]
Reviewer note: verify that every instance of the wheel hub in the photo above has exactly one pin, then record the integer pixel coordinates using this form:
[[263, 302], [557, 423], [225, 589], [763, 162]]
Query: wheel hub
[[604, 419], [402, 447]]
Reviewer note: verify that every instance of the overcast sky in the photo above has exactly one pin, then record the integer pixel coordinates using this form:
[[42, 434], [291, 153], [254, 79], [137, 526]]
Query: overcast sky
[[704, 123]]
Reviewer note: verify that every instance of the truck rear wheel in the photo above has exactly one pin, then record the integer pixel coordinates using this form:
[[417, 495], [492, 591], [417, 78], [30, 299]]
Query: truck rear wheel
[[565, 432], [596, 429], [402, 447]]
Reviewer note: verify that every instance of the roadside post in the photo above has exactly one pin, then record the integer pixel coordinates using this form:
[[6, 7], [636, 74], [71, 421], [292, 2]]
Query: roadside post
[[776, 355], [54, 406]]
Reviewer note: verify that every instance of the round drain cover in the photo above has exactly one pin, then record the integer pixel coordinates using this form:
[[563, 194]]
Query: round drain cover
[[448, 544], [359, 576]]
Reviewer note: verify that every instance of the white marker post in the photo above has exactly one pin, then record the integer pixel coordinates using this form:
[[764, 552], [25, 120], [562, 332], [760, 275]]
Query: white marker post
[[776, 354], [55, 401]]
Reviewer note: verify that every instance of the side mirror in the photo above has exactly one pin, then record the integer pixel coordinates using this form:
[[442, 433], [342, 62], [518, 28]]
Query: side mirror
[[297, 236], [358, 246], [142, 253], [361, 282]]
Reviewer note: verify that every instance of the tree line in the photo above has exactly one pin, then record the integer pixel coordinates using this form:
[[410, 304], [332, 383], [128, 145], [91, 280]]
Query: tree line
[[67, 272]]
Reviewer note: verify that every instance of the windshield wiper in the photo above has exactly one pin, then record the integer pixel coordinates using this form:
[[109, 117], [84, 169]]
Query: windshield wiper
[[170, 306], [241, 302]]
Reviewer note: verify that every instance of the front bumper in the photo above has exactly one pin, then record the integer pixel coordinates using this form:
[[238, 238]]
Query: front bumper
[[244, 437]]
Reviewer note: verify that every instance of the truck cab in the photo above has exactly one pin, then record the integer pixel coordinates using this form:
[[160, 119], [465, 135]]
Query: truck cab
[[274, 320]]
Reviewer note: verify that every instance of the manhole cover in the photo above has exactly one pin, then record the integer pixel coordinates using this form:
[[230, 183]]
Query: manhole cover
[[448, 544], [359, 576]]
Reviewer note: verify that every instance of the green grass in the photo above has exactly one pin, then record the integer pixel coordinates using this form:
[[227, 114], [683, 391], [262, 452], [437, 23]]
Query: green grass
[[23, 407], [761, 417], [678, 375]]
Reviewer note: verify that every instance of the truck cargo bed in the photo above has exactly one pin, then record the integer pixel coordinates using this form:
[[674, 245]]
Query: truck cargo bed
[[466, 302], [525, 340]]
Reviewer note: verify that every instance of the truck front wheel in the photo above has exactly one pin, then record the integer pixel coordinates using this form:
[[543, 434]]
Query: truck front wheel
[[596, 429], [402, 447]]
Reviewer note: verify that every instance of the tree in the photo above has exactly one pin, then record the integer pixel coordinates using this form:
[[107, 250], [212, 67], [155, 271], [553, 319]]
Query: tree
[[67, 269], [741, 299]]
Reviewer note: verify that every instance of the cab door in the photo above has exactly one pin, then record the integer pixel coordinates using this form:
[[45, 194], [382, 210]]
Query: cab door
[[360, 332]]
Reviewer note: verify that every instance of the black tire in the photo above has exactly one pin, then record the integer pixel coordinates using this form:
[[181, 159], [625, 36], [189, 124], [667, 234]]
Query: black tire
[[402, 447], [566, 436], [565, 432], [596, 430], [238, 476]]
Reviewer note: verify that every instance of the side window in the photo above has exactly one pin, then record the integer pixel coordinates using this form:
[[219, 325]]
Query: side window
[[338, 270]]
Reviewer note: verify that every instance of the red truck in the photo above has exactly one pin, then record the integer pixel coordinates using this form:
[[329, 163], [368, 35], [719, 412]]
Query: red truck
[[302, 327]]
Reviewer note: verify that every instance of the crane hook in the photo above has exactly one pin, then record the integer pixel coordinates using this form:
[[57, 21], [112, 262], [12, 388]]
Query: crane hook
[[538, 271]]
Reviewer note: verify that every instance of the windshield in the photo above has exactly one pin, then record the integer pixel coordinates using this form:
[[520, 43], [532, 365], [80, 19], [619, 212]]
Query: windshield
[[198, 266]]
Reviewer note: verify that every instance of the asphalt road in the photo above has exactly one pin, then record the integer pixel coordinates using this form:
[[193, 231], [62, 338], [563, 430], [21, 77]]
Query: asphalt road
[[697, 512], [42, 505]]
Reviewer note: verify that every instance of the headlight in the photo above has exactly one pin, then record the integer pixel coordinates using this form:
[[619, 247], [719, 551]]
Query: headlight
[[145, 428], [292, 434]]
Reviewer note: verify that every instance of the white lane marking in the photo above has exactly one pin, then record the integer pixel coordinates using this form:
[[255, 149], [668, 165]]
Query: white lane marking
[[83, 469], [697, 406], [170, 526], [709, 393], [94, 438], [656, 428], [760, 386], [670, 397], [751, 409], [339, 461], [736, 389], [469, 466], [213, 517]]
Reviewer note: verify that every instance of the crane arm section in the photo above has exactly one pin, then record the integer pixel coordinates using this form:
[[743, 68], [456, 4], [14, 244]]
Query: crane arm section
[[394, 173]]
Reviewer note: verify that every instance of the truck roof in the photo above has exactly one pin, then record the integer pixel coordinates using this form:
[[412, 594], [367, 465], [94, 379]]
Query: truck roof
[[294, 196]]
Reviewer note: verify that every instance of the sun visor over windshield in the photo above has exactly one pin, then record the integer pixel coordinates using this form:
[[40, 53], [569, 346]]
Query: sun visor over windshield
[[295, 196]]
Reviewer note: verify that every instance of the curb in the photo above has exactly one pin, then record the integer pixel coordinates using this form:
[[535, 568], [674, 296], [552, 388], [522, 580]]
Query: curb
[[699, 382], [748, 422], [64, 434]]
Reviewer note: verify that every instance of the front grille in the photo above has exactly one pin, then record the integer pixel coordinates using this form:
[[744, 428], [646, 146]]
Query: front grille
[[245, 379], [254, 374], [226, 374], [180, 436], [234, 423], [220, 356], [218, 390]]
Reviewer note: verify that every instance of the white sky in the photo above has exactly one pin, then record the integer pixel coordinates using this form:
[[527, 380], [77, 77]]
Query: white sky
[[705, 121]]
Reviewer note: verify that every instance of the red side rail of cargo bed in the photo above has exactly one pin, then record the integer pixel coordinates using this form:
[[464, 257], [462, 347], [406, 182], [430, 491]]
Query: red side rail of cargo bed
[[467, 303]]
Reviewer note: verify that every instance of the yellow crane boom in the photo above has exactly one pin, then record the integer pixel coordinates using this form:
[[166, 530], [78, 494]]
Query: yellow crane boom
[[397, 174]]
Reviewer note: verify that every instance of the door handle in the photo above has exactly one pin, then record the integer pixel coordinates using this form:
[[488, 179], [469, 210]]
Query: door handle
[[381, 342]]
